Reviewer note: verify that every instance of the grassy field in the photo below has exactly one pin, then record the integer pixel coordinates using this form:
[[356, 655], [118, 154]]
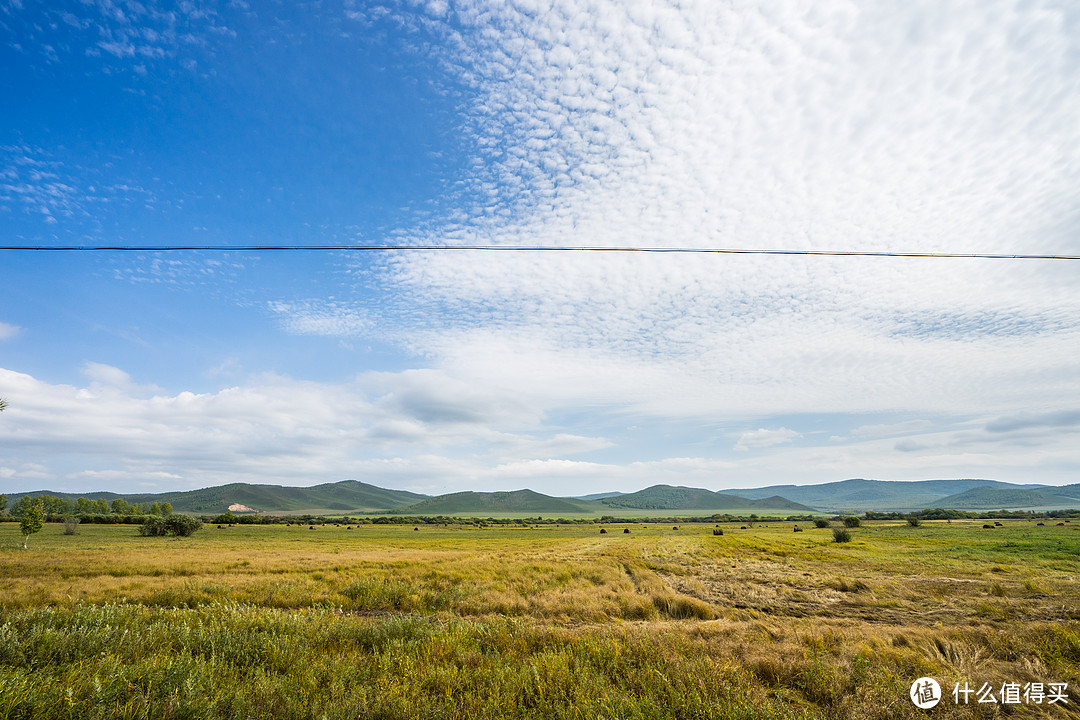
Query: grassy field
[[552, 621]]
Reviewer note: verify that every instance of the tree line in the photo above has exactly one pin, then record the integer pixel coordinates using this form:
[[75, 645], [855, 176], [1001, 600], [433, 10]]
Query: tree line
[[56, 508]]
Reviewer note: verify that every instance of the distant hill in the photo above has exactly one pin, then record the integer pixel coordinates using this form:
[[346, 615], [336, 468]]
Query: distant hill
[[344, 496], [598, 496], [517, 501], [668, 497], [847, 496], [989, 498], [859, 495]]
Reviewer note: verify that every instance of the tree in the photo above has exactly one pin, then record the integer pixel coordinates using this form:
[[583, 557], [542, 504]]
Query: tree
[[22, 506], [56, 505], [174, 525], [3, 503], [120, 506], [32, 521], [166, 508]]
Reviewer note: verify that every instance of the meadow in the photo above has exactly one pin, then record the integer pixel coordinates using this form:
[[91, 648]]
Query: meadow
[[458, 621]]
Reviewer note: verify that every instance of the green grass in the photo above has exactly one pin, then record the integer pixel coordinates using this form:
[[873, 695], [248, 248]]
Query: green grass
[[461, 622]]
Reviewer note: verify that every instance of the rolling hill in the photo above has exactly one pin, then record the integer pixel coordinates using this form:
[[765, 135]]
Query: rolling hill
[[990, 498], [344, 496], [848, 496], [668, 497], [859, 495], [517, 501]]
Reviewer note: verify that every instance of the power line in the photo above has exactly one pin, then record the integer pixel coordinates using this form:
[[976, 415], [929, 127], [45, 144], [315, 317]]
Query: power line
[[528, 248]]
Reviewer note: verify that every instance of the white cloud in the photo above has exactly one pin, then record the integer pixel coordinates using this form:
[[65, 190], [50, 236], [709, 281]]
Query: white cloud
[[272, 429], [762, 437], [320, 318], [106, 374], [899, 127], [8, 331], [892, 429]]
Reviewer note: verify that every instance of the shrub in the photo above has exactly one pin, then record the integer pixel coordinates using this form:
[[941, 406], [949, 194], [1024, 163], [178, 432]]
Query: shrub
[[841, 535], [852, 522], [821, 523], [170, 525], [914, 521], [71, 524]]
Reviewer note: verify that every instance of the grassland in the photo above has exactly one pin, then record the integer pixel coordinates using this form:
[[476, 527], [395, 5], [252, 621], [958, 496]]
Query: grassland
[[553, 621]]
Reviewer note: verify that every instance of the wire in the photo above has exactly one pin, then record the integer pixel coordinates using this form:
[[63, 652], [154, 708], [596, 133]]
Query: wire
[[526, 248]]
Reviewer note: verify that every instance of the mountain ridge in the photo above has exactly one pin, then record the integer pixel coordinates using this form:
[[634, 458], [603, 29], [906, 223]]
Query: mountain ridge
[[861, 494], [854, 495]]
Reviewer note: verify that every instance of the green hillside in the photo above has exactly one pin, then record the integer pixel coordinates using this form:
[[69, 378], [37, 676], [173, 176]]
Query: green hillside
[[344, 496], [987, 498], [517, 501], [668, 497], [849, 496], [857, 495], [597, 496]]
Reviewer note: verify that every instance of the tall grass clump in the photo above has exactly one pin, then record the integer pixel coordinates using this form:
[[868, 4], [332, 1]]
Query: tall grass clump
[[227, 660], [841, 535]]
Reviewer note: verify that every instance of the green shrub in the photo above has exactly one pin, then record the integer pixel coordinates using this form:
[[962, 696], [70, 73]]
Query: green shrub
[[914, 520], [852, 522], [170, 525], [821, 523], [841, 535]]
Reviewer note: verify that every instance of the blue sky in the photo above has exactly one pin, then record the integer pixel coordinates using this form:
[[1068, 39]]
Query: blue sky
[[928, 127]]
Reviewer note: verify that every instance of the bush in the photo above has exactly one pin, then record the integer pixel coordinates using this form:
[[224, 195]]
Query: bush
[[71, 524], [841, 535], [852, 522], [170, 525], [821, 523], [914, 521]]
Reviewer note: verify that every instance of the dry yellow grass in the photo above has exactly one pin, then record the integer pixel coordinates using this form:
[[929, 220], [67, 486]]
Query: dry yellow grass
[[838, 630]]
